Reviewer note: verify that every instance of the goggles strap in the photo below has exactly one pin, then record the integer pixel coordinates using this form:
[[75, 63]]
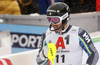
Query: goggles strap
[[64, 16]]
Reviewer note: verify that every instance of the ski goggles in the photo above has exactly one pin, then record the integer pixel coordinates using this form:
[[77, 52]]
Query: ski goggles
[[56, 19]]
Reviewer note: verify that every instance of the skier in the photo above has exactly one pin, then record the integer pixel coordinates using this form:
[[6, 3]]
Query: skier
[[70, 41]]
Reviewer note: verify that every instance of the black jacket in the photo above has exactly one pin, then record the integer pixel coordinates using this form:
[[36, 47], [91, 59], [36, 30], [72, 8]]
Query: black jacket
[[79, 6], [33, 7]]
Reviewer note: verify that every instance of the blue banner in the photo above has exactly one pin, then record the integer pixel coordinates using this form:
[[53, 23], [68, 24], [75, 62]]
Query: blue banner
[[24, 36]]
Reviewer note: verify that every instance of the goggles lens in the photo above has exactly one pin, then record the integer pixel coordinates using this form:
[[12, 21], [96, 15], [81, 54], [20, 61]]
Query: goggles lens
[[54, 20]]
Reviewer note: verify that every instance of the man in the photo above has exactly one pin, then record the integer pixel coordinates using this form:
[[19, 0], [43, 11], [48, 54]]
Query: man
[[29, 6], [44, 4], [70, 40], [10, 7]]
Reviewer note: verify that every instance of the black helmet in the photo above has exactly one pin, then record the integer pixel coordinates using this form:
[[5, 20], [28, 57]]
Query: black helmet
[[62, 7], [59, 9]]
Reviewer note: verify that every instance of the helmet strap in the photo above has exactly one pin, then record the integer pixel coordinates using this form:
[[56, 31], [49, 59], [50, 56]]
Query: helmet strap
[[63, 22]]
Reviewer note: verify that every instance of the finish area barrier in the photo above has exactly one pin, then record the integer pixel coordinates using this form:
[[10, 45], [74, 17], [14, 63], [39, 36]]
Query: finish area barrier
[[26, 30], [24, 36], [27, 36], [29, 57]]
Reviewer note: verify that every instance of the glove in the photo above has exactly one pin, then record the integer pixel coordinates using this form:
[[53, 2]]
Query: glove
[[86, 64], [49, 52], [44, 52]]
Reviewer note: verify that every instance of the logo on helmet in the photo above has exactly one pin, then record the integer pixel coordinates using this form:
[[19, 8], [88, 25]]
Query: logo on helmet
[[58, 11]]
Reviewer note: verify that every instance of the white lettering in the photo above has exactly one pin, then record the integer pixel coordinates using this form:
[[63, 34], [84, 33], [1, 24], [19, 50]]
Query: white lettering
[[86, 37], [39, 41], [32, 41], [15, 38], [23, 40], [26, 41]]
